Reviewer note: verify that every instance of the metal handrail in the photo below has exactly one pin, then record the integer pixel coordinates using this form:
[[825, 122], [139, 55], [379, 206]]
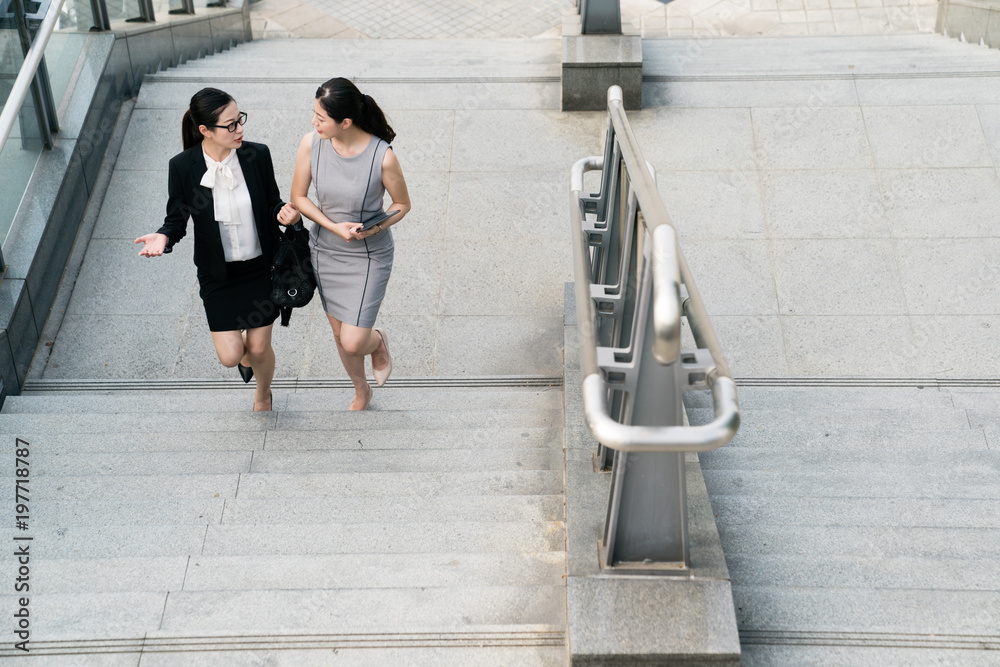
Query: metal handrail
[[27, 73], [669, 270]]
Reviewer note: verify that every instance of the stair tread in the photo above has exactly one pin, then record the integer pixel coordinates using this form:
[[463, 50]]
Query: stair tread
[[319, 511], [62, 463]]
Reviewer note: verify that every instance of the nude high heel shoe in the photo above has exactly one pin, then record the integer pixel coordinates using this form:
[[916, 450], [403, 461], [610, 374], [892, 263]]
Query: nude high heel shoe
[[382, 375]]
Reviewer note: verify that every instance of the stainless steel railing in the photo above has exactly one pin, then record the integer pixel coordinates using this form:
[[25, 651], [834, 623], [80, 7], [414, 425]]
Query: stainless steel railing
[[632, 287], [26, 76]]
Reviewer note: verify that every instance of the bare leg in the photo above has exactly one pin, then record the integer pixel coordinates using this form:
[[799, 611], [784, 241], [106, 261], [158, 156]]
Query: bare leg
[[245, 361], [230, 347], [261, 356], [354, 344]]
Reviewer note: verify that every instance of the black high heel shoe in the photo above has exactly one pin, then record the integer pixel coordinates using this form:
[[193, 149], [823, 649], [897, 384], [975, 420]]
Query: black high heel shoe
[[246, 372]]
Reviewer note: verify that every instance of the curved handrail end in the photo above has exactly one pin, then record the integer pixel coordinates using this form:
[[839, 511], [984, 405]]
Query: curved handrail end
[[671, 439]]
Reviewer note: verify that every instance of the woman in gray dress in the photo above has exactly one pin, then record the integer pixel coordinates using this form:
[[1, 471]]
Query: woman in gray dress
[[349, 160]]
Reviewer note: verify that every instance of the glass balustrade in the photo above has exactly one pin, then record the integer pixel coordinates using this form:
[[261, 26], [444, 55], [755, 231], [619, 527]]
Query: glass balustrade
[[23, 147], [20, 153]]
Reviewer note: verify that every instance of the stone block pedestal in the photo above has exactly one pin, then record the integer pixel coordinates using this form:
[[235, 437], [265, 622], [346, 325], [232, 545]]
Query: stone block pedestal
[[593, 63]]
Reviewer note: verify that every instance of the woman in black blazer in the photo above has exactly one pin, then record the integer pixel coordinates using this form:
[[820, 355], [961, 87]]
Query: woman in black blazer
[[227, 187]]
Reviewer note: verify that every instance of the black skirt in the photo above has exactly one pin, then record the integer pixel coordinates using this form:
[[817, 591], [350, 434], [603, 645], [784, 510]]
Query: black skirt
[[242, 300]]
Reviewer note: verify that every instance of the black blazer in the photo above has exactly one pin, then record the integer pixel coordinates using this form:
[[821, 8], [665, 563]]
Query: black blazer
[[188, 198]]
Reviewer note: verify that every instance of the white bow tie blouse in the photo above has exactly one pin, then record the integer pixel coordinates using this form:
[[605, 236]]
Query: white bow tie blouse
[[233, 208]]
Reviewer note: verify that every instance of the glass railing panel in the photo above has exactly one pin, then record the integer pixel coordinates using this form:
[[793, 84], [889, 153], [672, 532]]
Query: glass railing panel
[[11, 58], [17, 162], [123, 9], [75, 16], [165, 7], [61, 57]]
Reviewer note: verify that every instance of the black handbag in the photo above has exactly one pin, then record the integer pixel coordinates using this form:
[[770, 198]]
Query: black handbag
[[293, 282]]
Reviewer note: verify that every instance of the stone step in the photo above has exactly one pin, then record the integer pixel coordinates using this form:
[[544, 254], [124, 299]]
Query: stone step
[[349, 652], [322, 571], [428, 460], [822, 399], [941, 612], [920, 459], [46, 462], [49, 512], [455, 438], [367, 485], [375, 570], [981, 417], [376, 420], [889, 572], [954, 483], [228, 613], [851, 439], [241, 511], [859, 512], [295, 421], [839, 55], [339, 439], [230, 400], [298, 485], [832, 649], [785, 418], [315, 60], [370, 611], [976, 399], [863, 541], [110, 541], [409, 537]]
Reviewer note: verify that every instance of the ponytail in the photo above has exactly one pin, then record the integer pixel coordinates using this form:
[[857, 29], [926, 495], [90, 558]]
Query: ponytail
[[205, 108], [341, 99], [374, 120], [190, 134]]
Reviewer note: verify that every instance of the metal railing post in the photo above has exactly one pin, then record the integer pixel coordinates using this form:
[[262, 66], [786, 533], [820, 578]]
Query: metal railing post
[[647, 509], [100, 11], [146, 14], [632, 289]]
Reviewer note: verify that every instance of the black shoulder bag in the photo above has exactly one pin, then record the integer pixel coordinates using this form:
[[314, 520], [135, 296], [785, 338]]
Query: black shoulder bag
[[292, 280]]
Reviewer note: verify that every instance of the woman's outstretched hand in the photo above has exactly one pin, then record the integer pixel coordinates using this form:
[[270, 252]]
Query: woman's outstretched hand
[[289, 215], [153, 245]]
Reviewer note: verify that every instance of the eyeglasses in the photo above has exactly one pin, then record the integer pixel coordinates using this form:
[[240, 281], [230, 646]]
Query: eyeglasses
[[242, 120]]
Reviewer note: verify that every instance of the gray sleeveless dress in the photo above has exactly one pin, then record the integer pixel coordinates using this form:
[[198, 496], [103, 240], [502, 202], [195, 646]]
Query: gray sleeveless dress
[[351, 277]]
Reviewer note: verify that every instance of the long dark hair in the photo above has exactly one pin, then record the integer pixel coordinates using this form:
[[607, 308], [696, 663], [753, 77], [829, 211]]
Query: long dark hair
[[206, 106], [341, 99]]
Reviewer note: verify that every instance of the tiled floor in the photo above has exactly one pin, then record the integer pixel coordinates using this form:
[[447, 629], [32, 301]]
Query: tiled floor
[[419, 19], [720, 18], [489, 19]]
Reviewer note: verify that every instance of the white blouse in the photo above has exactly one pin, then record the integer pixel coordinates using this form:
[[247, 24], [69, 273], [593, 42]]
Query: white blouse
[[233, 208]]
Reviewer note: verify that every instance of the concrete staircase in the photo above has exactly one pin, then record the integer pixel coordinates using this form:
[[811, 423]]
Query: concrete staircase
[[860, 525], [170, 526], [176, 527]]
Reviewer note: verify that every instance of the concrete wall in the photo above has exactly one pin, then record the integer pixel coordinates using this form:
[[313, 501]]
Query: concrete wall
[[111, 70], [975, 20]]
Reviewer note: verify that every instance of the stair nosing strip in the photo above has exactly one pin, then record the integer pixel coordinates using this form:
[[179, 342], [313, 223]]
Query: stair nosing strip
[[141, 384]]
